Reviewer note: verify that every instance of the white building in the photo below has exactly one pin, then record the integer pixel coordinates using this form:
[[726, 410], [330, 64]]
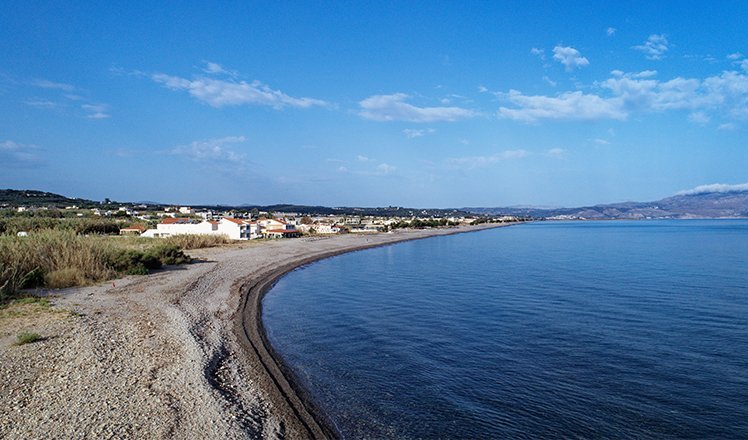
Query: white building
[[234, 228], [275, 228]]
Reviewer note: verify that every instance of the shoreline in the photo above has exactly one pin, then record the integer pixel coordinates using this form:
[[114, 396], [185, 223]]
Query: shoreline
[[281, 385], [177, 354]]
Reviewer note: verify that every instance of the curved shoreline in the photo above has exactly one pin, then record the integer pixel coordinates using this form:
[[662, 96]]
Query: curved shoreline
[[280, 383]]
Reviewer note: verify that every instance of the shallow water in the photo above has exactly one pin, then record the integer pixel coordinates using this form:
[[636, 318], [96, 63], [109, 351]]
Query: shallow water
[[575, 330]]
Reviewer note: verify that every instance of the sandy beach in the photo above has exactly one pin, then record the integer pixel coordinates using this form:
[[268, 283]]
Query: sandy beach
[[176, 354]]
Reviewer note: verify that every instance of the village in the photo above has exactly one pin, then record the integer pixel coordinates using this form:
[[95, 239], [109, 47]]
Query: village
[[258, 225]]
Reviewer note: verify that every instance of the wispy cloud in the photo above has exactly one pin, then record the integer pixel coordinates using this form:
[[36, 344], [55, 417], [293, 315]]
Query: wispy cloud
[[384, 168], [566, 106], [231, 92], [18, 154], [412, 133], [212, 151], [46, 84], [735, 56], [556, 153], [699, 118], [714, 188], [471, 162], [394, 108], [569, 57], [610, 31], [67, 94], [366, 167], [599, 141], [217, 69], [96, 111], [540, 53], [654, 48], [42, 103]]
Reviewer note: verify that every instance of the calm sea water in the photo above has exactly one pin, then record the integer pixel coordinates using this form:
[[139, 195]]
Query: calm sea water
[[572, 330]]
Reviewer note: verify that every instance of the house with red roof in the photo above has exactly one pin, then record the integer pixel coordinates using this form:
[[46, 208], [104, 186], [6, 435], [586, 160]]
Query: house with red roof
[[277, 228]]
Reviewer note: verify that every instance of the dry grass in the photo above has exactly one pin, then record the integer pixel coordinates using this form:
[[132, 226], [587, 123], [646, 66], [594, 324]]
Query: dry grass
[[27, 261], [197, 241]]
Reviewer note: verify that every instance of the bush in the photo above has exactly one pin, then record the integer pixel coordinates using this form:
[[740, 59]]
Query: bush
[[62, 278], [169, 254], [197, 241], [27, 338], [61, 258]]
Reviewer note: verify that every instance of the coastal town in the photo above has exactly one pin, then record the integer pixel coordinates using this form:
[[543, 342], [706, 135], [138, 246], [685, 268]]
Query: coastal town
[[163, 221]]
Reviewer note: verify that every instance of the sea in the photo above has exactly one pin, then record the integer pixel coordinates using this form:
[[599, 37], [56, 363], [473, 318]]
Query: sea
[[609, 329]]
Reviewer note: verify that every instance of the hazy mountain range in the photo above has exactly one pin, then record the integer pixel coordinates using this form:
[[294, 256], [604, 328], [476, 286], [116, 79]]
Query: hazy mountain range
[[708, 201]]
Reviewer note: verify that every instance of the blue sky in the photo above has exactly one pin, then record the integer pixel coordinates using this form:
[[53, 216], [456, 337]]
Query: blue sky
[[426, 104]]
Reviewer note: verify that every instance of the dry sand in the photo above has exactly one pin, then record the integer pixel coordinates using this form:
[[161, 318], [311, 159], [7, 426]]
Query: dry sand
[[175, 354]]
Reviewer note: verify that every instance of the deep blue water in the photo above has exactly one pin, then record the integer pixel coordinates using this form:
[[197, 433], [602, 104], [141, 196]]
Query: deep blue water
[[572, 330]]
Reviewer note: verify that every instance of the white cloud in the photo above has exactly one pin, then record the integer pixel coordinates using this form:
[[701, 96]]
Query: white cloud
[[221, 93], [384, 168], [727, 126], [599, 141], [46, 84], [654, 48], [411, 133], [96, 111], [471, 162], [92, 110], [610, 31], [393, 108], [626, 93], [645, 74], [699, 118], [12, 152], [714, 188], [566, 106], [540, 53], [212, 150], [556, 152], [217, 69], [569, 57], [744, 65], [42, 103], [549, 81], [361, 158], [735, 56]]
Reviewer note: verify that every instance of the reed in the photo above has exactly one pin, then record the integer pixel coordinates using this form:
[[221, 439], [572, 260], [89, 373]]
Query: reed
[[62, 258]]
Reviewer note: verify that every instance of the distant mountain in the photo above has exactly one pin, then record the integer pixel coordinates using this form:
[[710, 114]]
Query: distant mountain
[[711, 201]]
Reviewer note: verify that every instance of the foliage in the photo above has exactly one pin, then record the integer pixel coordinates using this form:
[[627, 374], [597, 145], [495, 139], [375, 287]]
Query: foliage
[[62, 258], [197, 241], [27, 338], [33, 223], [423, 223]]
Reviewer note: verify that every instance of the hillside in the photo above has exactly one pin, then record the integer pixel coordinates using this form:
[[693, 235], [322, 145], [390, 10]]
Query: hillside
[[721, 203], [27, 197]]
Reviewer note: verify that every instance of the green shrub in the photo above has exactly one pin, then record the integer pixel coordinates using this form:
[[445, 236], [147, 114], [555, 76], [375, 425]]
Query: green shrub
[[169, 254], [27, 338]]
